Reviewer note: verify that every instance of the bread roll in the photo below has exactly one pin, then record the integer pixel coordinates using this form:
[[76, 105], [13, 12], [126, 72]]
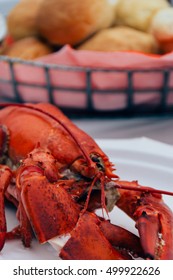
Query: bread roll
[[70, 22], [121, 39], [28, 49], [138, 13], [21, 21], [162, 28]]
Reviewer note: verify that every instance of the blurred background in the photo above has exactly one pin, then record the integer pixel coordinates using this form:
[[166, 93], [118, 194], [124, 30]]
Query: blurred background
[[85, 91], [7, 5]]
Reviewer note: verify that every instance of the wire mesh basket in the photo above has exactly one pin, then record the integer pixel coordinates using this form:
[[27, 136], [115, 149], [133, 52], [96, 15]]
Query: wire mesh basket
[[160, 101], [88, 97]]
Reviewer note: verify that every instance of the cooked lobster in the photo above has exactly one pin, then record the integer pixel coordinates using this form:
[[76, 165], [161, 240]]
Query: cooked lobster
[[57, 176]]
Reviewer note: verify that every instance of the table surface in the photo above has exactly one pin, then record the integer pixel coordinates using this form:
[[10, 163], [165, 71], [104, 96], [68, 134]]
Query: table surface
[[157, 128]]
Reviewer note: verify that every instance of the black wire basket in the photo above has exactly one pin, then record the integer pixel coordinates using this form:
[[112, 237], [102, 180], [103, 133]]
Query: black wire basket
[[158, 104], [156, 99]]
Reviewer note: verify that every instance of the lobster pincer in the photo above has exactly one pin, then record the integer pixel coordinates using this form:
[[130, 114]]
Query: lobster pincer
[[96, 238], [154, 219], [49, 207]]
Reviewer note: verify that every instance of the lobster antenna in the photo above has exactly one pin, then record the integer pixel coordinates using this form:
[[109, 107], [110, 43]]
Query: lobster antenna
[[55, 119], [143, 189]]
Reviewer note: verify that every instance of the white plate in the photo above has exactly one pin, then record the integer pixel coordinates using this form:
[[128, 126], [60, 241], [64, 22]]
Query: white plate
[[146, 160]]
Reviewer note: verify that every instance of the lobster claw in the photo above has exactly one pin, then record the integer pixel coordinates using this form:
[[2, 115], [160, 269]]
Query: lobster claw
[[88, 242], [123, 239], [49, 208], [155, 225], [154, 219]]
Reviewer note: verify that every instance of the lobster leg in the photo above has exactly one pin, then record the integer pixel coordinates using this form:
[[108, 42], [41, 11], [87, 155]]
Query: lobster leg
[[154, 220], [5, 178], [14, 234]]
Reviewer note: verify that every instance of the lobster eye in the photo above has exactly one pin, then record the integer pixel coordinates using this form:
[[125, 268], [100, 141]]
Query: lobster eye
[[98, 161]]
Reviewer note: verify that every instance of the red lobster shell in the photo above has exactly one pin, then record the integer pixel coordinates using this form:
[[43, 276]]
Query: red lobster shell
[[57, 176]]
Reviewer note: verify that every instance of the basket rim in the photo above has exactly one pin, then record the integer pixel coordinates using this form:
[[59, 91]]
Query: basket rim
[[78, 68]]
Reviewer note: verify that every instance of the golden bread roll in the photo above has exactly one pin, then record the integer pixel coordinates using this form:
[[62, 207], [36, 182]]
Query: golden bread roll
[[70, 22], [162, 28], [138, 13], [27, 48], [21, 21], [121, 39]]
